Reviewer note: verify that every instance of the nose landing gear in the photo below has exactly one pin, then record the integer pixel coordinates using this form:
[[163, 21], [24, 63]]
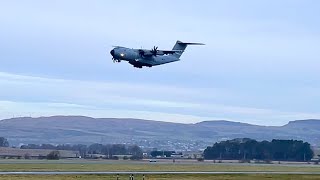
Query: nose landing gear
[[116, 60]]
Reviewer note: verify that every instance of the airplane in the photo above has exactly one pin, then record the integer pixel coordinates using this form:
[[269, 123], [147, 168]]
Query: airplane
[[143, 57]]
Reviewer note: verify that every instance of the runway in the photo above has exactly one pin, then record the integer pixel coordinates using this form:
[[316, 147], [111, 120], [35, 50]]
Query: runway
[[153, 172]]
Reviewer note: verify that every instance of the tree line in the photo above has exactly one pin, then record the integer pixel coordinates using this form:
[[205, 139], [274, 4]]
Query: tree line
[[242, 149], [236, 149], [109, 150]]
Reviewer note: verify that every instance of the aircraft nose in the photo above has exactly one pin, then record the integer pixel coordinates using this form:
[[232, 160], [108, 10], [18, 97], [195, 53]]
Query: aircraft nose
[[112, 52]]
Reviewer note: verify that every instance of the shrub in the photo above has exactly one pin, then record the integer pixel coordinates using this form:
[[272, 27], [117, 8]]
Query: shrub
[[26, 156], [53, 155], [115, 157], [125, 158], [244, 161], [268, 161], [200, 159]]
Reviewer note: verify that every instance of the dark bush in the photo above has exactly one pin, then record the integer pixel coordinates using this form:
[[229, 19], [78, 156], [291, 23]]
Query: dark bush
[[53, 155], [200, 159], [115, 158], [125, 158], [27, 156]]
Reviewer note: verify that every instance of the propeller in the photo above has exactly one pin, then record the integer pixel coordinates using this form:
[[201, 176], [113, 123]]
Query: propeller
[[154, 50], [141, 53]]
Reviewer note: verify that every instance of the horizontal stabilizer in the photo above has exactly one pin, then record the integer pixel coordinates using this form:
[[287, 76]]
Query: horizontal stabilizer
[[118, 46], [179, 42]]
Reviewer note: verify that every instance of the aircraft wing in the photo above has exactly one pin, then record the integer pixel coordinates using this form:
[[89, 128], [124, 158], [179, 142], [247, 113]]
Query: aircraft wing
[[169, 51], [145, 52]]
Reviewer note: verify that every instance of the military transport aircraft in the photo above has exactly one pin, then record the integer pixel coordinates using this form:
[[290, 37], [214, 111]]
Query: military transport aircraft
[[143, 57]]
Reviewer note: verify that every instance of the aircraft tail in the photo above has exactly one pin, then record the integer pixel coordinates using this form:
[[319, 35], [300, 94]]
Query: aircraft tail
[[181, 46]]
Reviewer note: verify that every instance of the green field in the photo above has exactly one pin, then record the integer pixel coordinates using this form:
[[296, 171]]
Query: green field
[[159, 177], [84, 165], [151, 167]]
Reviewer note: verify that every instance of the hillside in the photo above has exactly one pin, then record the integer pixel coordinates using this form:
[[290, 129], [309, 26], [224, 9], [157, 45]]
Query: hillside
[[87, 130]]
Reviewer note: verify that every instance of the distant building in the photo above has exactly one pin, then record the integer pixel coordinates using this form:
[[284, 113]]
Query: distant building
[[96, 156], [316, 157], [193, 154], [102, 156], [6, 152], [177, 155], [145, 155], [316, 151]]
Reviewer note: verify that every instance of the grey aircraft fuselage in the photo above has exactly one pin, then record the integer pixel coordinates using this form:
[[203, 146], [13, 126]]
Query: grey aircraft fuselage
[[142, 57]]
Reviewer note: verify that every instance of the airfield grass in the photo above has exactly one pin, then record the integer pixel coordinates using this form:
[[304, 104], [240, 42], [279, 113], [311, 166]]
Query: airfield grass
[[83, 166], [160, 177], [90, 166]]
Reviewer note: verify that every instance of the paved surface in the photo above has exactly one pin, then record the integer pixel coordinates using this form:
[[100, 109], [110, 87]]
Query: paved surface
[[152, 172]]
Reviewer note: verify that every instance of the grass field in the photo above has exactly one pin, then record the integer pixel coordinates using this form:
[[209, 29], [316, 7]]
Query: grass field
[[84, 165], [159, 177], [150, 167]]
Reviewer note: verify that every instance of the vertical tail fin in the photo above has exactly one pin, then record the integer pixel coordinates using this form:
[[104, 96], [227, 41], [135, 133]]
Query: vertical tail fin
[[180, 46]]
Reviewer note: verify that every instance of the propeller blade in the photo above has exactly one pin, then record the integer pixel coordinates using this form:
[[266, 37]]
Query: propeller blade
[[154, 50], [141, 53]]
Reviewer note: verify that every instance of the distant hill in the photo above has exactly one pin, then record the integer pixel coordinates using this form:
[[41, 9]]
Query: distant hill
[[315, 123], [87, 130]]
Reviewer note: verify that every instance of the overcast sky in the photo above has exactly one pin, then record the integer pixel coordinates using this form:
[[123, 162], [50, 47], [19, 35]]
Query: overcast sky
[[260, 65]]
